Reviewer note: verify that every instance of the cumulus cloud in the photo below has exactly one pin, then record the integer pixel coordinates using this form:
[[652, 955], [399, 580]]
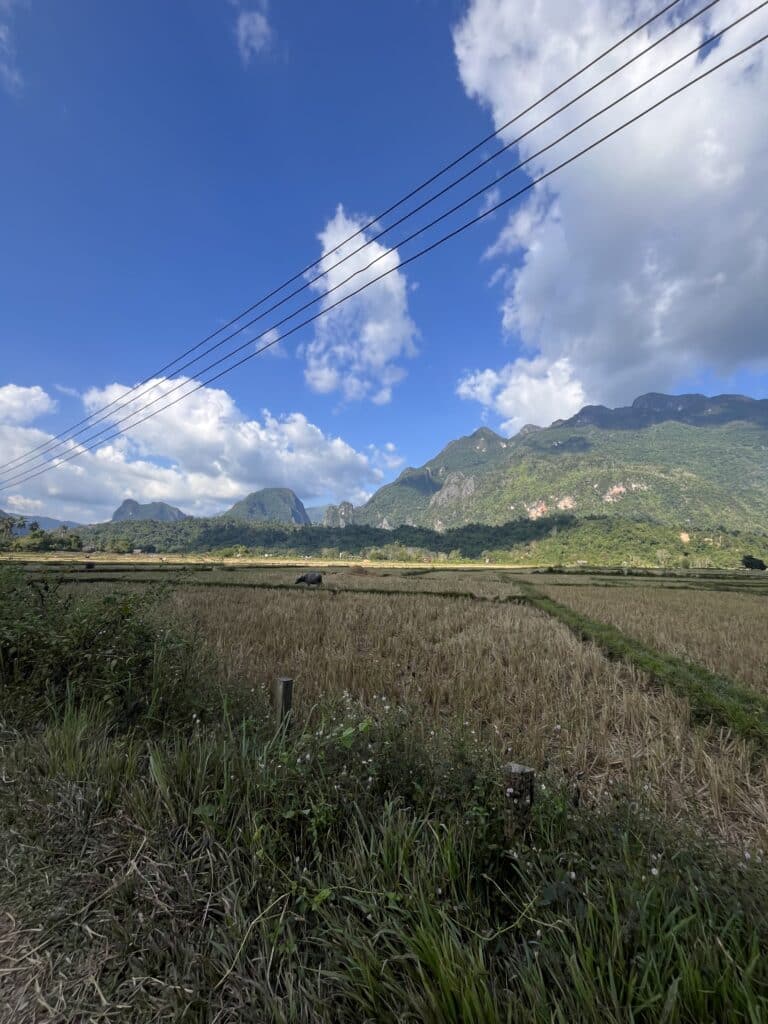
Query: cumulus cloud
[[254, 33], [357, 348], [526, 391], [10, 76], [201, 455], [388, 457], [23, 404], [23, 506], [645, 262]]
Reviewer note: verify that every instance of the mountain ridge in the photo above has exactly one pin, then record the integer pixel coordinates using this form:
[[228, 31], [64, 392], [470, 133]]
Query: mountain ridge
[[677, 459], [685, 460], [159, 511]]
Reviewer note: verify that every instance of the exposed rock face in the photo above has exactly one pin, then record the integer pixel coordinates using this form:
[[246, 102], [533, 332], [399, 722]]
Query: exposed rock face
[[339, 515], [686, 460], [615, 493], [457, 487]]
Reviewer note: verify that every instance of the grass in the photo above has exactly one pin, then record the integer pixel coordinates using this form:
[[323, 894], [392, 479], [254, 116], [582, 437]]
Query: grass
[[358, 576], [712, 697], [724, 633], [228, 874], [188, 862], [509, 672]]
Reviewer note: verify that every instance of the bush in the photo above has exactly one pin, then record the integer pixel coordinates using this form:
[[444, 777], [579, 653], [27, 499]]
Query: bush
[[111, 651]]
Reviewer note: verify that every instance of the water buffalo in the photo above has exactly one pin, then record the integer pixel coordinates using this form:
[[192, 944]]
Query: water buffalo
[[313, 579]]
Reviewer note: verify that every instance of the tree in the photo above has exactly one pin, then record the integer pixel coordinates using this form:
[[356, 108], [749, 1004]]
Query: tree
[[750, 562], [7, 526]]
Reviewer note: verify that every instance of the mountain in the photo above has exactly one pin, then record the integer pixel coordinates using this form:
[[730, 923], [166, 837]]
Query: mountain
[[339, 516], [316, 513], [272, 504], [419, 496], [680, 460], [695, 410], [159, 511], [44, 522]]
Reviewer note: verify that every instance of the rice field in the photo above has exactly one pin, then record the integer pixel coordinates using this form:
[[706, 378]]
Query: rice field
[[169, 853], [726, 633], [514, 676]]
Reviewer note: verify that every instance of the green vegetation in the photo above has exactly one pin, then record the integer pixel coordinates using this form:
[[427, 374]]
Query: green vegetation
[[58, 655], [711, 697], [159, 510], [36, 539], [672, 481], [678, 474], [21, 524], [272, 504], [558, 539], [407, 541], [189, 863], [9, 525]]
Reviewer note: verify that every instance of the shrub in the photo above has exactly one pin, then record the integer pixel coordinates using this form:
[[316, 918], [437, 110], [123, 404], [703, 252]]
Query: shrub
[[112, 651]]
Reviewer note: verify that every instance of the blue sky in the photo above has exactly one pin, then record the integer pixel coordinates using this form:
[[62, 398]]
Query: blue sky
[[164, 165]]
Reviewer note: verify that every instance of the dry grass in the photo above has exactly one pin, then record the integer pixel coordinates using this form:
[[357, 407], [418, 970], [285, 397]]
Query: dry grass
[[479, 582], [725, 633], [713, 581], [511, 673], [195, 866]]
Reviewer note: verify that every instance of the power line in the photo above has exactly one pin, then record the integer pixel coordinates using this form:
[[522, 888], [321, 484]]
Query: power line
[[434, 245], [701, 46], [39, 460], [72, 431], [124, 400]]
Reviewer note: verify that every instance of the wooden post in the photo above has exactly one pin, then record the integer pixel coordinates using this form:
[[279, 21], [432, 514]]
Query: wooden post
[[282, 698], [518, 788]]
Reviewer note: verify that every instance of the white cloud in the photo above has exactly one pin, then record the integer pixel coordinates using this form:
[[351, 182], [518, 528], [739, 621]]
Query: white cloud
[[526, 391], [23, 506], [23, 404], [254, 33], [201, 455], [387, 456], [645, 262], [10, 76], [357, 347]]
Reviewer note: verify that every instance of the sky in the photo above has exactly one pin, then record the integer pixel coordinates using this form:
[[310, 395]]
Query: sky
[[165, 166]]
